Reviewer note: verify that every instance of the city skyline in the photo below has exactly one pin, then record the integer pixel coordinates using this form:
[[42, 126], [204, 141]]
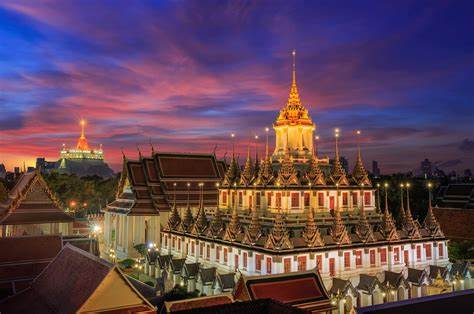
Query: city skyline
[[404, 81]]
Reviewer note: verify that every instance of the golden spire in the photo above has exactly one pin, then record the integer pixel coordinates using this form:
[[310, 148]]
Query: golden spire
[[83, 124], [294, 97], [82, 142]]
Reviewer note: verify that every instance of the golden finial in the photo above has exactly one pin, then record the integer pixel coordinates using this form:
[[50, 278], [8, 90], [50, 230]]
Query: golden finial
[[294, 66], [294, 98], [83, 124], [336, 135]]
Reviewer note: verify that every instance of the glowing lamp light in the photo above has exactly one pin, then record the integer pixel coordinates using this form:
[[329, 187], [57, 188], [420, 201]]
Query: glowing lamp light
[[267, 129], [358, 132], [232, 135], [316, 137], [430, 185], [386, 185], [84, 204], [384, 294], [256, 137], [72, 203], [96, 228], [408, 185]]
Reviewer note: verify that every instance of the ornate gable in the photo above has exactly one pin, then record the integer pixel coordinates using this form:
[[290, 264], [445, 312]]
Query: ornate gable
[[311, 233], [287, 175], [254, 230], [338, 231]]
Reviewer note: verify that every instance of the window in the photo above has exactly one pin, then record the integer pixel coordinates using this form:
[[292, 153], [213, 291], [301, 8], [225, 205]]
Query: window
[[278, 200], [269, 199], [236, 262], [319, 262], [320, 199], [250, 200], [440, 250], [295, 200], [187, 248], [347, 260], [179, 244], [428, 250], [258, 199], [244, 262], [383, 256], [258, 262], [173, 241], [406, 258], [358, 255], [418, 252], [269, 265], [218, 254], [208, 252], [233, 198], [367, 198], [224, 197], [306, 199], [192, 248], [301, 263], [345, 200], [372, 257], [201, 249], [396, 254], [240, 198], [287, 265], [166, 241], [355, 200], [332, 267], [225, 256]]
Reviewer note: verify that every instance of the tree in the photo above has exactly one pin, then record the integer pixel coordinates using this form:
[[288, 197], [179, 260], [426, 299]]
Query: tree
[[3, 192]]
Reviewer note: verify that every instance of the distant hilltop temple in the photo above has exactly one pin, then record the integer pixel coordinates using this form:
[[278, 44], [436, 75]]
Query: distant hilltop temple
[[81, 160]]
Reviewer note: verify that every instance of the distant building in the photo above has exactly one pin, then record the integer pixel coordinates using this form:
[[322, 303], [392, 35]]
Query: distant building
[[468, 174], [45, 166], [83, 160], [455, 210], [3, 171], [375, 168], [426, 168]]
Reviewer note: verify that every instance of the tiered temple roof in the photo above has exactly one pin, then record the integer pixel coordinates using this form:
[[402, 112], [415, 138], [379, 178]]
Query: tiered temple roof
[[148, 185], [32, 202]]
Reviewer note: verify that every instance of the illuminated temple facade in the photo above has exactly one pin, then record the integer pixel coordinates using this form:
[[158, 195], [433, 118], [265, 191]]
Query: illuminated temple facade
[[286, 212], [83, 160]]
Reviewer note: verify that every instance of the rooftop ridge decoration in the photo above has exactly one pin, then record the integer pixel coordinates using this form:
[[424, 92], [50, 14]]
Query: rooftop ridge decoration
[[234, 228], [389, 230], [254, 230], [314, 174], [201, 222], [279, 238], [364, 229], [247, 174], [175, 219], [287, 175], [338, 174], [430, 222], [311, 233], [359, 173], [265, 175], [338, 231], [188, 220], [217, 224], [409, 225]]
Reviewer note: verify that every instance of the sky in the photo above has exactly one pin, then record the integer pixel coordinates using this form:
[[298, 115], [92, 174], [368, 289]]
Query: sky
[[184, 75]]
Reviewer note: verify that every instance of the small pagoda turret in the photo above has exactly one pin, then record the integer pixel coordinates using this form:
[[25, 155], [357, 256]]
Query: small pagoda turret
[[338, 174], [311, 233], [364, 229], [254, 231], [234, 228], [359, 174], [247, 175], [287, 175], [388, 228], [279, 239]]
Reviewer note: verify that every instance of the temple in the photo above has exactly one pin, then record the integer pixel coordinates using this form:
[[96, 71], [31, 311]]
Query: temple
[[33, 209], [282, 213], [83, 160]]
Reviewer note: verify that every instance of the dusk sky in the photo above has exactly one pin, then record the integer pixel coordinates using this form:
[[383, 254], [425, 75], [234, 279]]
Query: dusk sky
[[186, 74]]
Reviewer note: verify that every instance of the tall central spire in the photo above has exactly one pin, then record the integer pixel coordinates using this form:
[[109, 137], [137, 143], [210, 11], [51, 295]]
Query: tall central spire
[[294, 98], [82, 142]]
